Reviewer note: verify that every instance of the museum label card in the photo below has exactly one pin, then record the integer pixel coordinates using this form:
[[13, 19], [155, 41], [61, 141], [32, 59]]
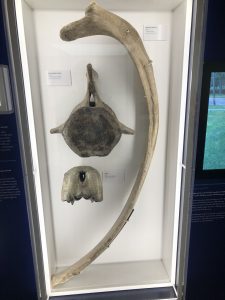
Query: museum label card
[[114, 176], [154, 33], [58, 78]]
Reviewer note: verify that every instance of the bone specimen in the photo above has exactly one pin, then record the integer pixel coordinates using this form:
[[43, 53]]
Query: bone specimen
[[98, 21], [92, 128], [82, 182]]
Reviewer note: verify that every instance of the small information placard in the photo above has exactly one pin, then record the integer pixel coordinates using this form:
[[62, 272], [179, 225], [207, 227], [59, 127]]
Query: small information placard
[[114, 176], [154, 33], [58, 78]]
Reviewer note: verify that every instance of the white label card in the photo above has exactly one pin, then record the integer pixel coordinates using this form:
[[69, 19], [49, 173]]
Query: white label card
[[58, 78], [155, 33], [114, 176]]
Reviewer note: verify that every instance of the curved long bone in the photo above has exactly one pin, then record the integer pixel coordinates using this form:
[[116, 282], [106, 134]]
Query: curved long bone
[[98, 21]]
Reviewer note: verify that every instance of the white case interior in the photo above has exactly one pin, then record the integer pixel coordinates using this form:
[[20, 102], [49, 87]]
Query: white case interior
[[144, 253]]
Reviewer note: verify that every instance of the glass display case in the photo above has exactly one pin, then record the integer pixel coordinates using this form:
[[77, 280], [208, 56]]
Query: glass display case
[[145, 252]]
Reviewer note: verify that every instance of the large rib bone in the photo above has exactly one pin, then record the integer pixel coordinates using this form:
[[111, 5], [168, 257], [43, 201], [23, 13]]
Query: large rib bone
[[98, 21]]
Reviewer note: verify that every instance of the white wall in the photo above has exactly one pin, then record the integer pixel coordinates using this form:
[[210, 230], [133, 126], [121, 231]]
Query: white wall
[[78, 228]]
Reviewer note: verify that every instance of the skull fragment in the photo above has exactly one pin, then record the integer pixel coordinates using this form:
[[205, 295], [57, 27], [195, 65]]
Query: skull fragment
[[82, 182]]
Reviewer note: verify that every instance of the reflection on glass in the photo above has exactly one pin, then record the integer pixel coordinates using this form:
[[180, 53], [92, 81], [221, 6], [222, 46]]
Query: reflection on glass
[[214, 153]]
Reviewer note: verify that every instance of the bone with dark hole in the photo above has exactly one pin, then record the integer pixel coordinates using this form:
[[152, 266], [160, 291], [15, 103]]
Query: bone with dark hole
[[82, 182], [92, 128]]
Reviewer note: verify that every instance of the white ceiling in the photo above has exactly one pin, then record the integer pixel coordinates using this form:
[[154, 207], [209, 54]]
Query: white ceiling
[[124, 5]]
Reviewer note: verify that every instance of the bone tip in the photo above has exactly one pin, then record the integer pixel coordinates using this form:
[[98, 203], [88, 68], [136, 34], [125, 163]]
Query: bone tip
[[53, 130], [56, 130], [127, 130], [92, 2], [54, 281], [92, 6], [89, 66], [130, 132], [64, 35]]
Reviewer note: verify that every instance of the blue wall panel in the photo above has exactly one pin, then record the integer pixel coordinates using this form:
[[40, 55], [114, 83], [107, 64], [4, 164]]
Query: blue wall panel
[[17, 279], [206, 268]]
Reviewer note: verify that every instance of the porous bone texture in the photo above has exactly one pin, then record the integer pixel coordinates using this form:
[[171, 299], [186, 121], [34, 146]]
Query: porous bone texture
[[82, 182], [91, 131]]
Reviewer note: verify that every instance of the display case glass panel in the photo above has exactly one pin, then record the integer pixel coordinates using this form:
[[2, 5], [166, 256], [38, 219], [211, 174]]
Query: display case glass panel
[[144, 255]]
